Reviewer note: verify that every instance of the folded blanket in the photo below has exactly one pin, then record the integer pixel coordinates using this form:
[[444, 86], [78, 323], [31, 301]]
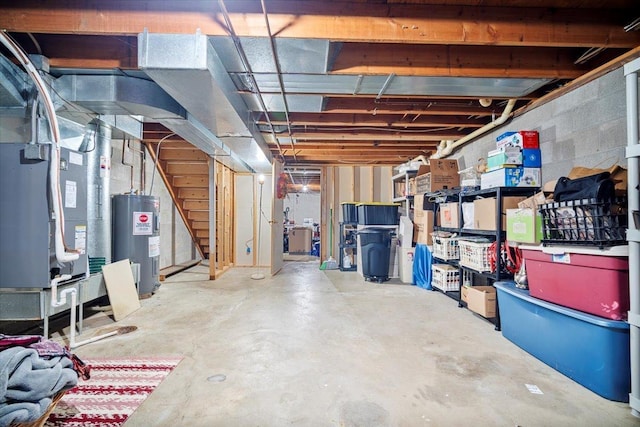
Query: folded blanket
[[25, 377], [22, 412]]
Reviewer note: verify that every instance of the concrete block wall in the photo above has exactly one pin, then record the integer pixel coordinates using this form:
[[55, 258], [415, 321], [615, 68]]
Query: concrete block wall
[[585, 127]]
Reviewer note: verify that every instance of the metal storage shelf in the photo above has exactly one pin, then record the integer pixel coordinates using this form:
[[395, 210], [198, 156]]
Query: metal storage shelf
[[353, 247], [497, 235]]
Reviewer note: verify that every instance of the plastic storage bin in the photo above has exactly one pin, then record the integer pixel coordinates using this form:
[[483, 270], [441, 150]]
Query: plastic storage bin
[[349, 212], [596, 284], [445, 277], [588, 349], [375, 244], [475, 255], [377, 213], [445, 248], [585, 222]]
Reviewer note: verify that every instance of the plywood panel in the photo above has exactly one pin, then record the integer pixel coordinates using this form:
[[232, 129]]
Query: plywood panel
[[121, 288]]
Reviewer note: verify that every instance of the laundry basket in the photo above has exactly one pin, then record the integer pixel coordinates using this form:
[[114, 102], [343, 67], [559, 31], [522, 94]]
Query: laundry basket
[[43, 419]]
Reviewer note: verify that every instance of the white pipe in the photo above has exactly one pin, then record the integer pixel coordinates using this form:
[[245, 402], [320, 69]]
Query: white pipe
[[55, 302], [448, 149], [56, 198]]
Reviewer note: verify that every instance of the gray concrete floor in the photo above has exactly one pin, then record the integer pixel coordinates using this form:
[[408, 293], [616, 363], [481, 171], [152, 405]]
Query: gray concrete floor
[[325, 348]]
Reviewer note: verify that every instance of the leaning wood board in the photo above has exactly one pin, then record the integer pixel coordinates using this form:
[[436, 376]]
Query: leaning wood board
[[121, 288]]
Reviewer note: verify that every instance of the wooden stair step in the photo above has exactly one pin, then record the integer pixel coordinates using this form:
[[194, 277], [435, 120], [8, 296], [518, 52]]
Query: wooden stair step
[[170, 271]]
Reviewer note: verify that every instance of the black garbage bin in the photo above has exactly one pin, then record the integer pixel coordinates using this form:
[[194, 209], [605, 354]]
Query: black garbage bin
[[375, 246]]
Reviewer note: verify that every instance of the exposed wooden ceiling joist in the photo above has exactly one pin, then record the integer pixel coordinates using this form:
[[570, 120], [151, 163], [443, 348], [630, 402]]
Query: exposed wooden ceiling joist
[[338, 21], [494, 39]]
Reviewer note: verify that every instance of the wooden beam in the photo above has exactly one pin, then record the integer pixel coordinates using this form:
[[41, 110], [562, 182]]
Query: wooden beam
[[341, 21], [330, 149], [382, 136], [407, 106], [400, 120], [456, 61]]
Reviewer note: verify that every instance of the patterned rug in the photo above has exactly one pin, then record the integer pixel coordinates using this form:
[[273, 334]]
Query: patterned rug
[[116, 388]]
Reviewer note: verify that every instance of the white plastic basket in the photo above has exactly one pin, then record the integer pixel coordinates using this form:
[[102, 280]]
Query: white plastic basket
[[445, 277], [475, 255], [445, 248]]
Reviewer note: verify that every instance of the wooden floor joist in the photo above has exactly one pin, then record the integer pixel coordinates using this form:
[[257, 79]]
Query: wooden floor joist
[[170, 271]]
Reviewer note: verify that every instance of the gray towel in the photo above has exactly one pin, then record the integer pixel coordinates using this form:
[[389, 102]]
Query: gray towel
[[26, 378]]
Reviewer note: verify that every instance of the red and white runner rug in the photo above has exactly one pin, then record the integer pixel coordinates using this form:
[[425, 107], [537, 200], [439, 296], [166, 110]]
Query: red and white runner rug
[[116, 388]]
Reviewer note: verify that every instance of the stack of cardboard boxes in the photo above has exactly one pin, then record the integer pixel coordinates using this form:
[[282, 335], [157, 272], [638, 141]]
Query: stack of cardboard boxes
[[439, 174], [515, 162]]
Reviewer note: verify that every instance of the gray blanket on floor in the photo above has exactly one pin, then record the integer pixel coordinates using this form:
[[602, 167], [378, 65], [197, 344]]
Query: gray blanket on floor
[[29, 382]]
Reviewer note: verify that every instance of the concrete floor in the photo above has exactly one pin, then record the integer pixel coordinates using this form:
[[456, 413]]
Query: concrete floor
[[325, 348]]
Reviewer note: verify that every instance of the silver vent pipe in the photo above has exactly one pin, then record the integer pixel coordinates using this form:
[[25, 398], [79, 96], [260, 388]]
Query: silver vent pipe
[[98, 145]]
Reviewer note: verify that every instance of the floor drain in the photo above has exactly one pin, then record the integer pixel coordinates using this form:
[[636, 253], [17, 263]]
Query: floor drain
[[217, 378]]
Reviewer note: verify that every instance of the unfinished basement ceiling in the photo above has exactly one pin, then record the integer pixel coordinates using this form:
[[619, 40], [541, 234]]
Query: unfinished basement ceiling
[[313, 83]]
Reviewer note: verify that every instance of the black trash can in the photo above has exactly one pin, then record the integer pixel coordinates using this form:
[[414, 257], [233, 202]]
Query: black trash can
[[375, 246]]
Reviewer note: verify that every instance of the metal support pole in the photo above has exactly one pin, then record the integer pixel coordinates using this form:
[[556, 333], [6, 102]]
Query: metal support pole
[[633, 162]]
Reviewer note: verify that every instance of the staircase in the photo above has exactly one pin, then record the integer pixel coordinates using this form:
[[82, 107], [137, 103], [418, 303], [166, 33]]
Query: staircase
[[185, 171]]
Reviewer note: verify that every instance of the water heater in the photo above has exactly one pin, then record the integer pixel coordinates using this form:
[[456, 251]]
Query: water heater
[[136, 236]]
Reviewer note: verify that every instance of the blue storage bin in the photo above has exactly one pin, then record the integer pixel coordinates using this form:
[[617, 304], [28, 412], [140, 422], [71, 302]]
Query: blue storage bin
[[590, 350]]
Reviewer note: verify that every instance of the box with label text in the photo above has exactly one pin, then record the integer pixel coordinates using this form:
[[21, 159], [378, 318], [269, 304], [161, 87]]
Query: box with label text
[[511, 177], [524, 225], [522, 139]]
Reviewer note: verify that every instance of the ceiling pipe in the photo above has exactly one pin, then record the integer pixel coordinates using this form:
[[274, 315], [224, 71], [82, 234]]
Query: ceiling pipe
[[447, 148], [385, 86], [274, 53], [245, 63]]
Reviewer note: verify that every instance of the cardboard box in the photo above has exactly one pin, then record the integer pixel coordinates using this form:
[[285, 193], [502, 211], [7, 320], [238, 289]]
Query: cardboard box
[[524, 225], [480, 299], [485, 211], [423, 227], [418, 203], [531, 158], [449, 215], [511, 177], [534, 201], [406, 265], [522, 139], [439, 174], [421, 178], [405, 232], [300, 240], [504, 156]]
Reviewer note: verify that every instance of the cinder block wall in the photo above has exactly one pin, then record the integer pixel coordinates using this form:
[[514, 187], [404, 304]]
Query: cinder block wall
[[585, 127]]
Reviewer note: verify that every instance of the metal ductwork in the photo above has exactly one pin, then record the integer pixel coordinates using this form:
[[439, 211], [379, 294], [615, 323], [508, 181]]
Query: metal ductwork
[[98, 191], [190, 70], [13, 85], [118, 96]]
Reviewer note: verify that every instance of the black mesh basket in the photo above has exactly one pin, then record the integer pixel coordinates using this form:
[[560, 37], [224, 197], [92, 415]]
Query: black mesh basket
[[587, 222]]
